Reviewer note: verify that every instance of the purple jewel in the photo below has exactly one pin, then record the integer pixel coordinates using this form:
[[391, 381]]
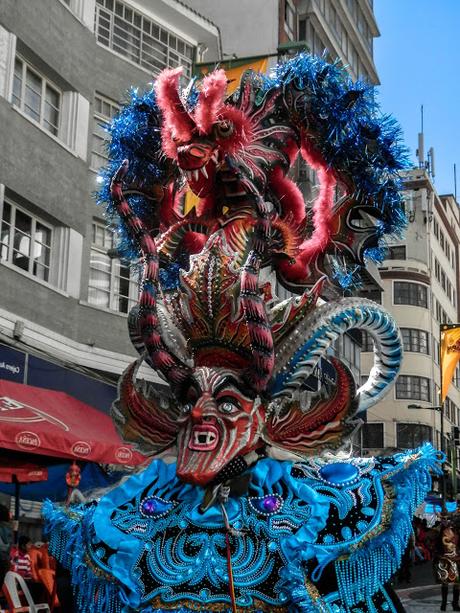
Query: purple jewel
[[266, 505], [153, 506], [149, 506], [271, 504]]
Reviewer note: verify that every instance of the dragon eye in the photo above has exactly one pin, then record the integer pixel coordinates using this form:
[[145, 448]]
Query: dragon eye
[[223, 129]]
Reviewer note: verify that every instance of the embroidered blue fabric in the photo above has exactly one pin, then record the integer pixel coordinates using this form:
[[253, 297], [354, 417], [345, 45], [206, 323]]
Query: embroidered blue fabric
[[147, 547]]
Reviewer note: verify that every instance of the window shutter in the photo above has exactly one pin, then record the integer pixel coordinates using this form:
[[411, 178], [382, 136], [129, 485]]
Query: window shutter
[[74, 125], [85, 9], [68, 249], [7, 53]]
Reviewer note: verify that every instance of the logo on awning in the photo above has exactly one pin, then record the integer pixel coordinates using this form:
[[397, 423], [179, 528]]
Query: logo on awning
[[81, 448], [124, 455], [27, 440]]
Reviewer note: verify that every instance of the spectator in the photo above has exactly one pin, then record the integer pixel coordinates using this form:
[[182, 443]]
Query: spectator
[[6, 540], [21, 563], [404, 574], [20, 558], [446, 564]]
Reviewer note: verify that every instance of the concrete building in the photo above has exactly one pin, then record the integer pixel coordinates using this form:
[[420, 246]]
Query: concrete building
[[344, 28], [65, 66], [420, 279]]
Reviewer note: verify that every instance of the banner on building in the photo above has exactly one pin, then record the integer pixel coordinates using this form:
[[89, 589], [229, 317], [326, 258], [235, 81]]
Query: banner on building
[[450, 355], [234, 69]]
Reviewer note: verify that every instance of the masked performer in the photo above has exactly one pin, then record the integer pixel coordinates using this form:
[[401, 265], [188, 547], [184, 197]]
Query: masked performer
[[446, 564], [260, 512]]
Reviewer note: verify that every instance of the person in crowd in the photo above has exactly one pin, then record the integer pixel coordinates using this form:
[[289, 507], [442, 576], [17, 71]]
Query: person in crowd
[[446, 564], [21, 563], [405, 574], [421, 549], [6, 540]]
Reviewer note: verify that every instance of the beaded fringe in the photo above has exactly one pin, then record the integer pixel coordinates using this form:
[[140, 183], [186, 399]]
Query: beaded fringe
[[64, 530], [361, 575]]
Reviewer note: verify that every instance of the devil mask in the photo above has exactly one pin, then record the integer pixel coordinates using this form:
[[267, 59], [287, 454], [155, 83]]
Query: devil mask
[[248, 372]]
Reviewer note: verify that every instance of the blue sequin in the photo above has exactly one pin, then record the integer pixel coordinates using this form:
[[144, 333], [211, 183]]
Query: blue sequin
[[339, 473]]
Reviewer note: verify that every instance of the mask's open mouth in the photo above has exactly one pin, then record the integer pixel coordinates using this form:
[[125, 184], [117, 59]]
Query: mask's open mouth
[[203, 438], [201, 180]]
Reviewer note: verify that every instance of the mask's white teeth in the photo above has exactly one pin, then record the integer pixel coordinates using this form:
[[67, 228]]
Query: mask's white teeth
[[203, 171], [196, 174], [215, 157], [189, 175]]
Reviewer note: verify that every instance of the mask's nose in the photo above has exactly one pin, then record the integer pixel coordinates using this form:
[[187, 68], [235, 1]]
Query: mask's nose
[[202, 409]]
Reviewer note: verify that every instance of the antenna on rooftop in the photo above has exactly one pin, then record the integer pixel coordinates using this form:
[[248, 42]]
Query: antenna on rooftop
[[430, 163], [421, 144], [455, 182], [426, 164]]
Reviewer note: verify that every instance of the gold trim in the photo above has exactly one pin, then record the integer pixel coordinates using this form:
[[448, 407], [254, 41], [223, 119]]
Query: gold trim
[[217, 606]]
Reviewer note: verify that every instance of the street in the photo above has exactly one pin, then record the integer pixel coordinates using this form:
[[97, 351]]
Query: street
[[422, 595]]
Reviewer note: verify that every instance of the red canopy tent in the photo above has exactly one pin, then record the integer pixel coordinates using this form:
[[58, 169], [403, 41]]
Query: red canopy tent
[[21, 471], [50, 423], [17, 471]]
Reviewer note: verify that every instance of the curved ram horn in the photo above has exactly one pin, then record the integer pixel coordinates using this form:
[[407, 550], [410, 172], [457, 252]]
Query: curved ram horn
[[299, 353], [160, 357], [139, 416]]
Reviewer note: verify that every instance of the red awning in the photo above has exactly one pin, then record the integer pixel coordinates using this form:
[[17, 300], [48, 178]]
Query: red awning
[[22, 471], [46, 422]]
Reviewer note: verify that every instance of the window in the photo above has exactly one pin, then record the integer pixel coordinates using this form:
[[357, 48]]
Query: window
[[409, 436], [440, 314], [25, 242], [415, 340], [396, 253], [289, 19], [302, 29], [412, 387], [111, 282], [139, 39], [367, 342], [436, 351], [410, 293], [353, 57], [437, 269], [372, 436], [349, 350], [104, 111], [457, 376], [36, 97]]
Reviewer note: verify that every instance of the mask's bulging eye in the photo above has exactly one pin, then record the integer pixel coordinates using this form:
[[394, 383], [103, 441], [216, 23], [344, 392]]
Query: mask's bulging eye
[[228, 405], [187, 408], [223, 129]]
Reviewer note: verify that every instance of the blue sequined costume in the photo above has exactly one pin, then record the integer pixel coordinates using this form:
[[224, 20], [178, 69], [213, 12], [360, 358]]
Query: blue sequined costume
[[332, 538]]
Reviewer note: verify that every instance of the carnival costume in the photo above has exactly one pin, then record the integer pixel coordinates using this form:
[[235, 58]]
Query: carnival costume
[[447, 563], [260, 512]]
